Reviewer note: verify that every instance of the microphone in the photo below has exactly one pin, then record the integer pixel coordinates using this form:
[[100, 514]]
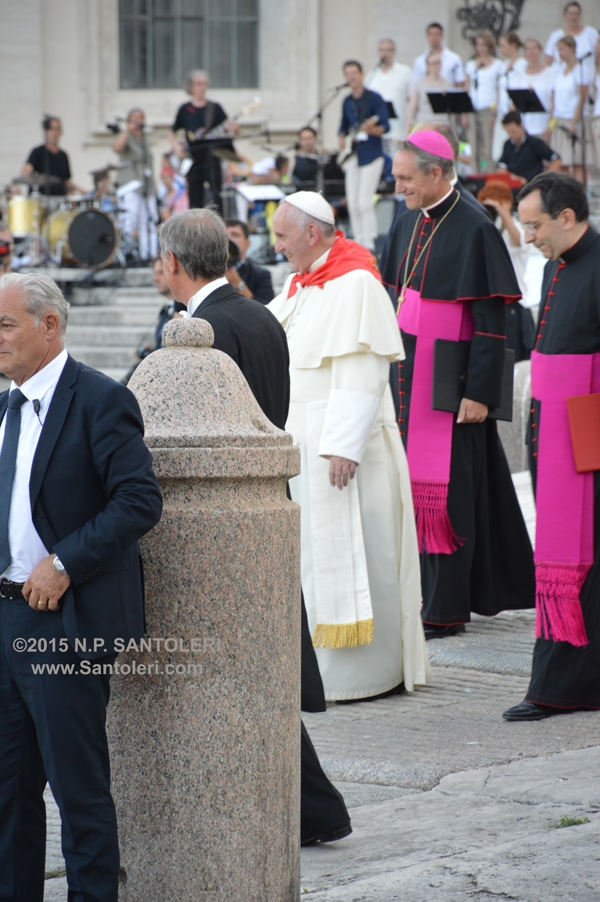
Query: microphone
[[585, 56], [37, 407], [574, 138], [339, 87]]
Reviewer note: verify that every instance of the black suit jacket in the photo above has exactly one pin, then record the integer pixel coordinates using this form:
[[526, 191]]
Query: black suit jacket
[[251, 335], [258, 281], [93, 494]]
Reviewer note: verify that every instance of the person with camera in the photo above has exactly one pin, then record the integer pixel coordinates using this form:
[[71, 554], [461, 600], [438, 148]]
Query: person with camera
[[140, 203], [170, 309], [249, 279]]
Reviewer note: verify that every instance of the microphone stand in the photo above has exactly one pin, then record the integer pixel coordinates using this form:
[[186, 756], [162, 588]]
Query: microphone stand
[[477, 126], [318, 117], [583, 148]]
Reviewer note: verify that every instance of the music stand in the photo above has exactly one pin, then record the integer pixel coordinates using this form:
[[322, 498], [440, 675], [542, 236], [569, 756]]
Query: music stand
[[526, 100], [450, 102], [457, 102], [391, 110]]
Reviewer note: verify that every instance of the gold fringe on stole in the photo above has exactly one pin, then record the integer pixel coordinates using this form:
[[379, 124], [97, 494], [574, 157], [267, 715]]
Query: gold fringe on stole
[[343, 635]]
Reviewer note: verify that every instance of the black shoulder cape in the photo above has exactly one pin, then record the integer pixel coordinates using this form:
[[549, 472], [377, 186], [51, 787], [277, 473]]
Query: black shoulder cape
[[466, 260]]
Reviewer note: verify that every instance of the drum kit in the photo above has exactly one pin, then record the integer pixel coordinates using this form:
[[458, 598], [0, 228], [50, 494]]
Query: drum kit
[[70, 230]]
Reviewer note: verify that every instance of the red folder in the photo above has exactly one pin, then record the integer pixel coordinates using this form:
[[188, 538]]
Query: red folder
[[584, 423]]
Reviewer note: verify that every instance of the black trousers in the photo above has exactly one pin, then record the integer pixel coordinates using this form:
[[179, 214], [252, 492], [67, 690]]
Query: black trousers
[[322, 807], [52, 729], [207, 170]]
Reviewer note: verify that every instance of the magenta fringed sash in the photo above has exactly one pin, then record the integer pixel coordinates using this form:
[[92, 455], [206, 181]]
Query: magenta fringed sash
[[564, 543], [430, 431]]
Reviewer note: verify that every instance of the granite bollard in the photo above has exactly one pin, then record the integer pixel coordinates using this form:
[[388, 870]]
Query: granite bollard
[[204, 729]]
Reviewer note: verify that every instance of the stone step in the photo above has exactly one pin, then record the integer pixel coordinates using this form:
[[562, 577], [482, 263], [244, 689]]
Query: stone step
[[110, 336], [103, 358], [102, 297], [117, 316]]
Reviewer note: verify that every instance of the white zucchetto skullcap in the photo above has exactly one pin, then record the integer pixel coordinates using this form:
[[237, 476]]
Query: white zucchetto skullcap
[[313, 203]]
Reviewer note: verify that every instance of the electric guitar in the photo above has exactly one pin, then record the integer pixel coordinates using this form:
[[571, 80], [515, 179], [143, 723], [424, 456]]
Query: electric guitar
[[217, 138], [350, 140]]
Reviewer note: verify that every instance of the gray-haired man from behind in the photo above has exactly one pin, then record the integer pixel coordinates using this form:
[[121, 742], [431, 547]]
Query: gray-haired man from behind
[[77, 492], [195, 249]]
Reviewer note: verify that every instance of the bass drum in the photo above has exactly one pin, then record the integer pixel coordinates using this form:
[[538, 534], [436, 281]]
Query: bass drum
[[82, 237]]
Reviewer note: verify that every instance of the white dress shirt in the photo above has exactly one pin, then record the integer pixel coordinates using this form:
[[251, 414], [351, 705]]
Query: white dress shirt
[[395, 85], [195, 301], [26, 547]]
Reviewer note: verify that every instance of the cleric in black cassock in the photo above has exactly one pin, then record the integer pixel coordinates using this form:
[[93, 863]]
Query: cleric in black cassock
[[565, 676], [476, 553]]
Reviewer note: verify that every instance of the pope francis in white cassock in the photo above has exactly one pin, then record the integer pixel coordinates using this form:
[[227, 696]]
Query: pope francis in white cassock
[[360, 563]]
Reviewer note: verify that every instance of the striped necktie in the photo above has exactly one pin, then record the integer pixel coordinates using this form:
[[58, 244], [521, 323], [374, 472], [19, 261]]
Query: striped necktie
[[8, 462]]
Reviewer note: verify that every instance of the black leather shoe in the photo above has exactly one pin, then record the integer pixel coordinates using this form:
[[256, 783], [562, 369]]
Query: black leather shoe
[[440, 632], [530, 711], [332, 836]]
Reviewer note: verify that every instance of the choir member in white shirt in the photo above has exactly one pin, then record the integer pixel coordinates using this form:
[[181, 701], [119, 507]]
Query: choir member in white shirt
[[568, 109], [393, 81], [419, 107], [585, 38], [483, 75], [538, 76], [513, 67], [452, 65]]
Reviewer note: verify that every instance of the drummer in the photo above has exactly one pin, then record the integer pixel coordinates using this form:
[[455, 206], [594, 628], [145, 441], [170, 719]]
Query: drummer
[[48, 159]]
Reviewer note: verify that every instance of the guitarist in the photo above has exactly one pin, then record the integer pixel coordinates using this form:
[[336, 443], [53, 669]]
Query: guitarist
[[364, 121], [195, 118]]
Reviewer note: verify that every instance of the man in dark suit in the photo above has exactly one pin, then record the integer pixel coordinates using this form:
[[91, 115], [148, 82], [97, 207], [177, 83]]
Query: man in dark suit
[[194, 248], [77, 492], [249, 279]]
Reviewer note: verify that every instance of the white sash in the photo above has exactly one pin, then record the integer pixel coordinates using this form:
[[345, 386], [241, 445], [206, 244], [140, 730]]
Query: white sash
[[342, 595]]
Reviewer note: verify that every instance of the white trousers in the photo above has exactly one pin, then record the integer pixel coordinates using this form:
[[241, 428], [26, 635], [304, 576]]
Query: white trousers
[[361, 185], [140, 217]]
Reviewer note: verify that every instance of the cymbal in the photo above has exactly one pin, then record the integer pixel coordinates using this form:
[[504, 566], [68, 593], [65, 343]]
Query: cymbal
[[37, 179]]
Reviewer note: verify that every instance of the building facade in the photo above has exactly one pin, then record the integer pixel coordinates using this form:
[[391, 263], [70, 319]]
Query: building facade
[[90, 61]]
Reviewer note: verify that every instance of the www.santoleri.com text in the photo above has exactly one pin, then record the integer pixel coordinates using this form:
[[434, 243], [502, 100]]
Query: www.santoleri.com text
[[84, 668]]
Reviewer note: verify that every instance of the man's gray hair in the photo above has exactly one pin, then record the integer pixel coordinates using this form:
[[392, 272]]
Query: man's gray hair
[[198, 238], [426, 161], [42, 295], [192, 76], [303, 220]]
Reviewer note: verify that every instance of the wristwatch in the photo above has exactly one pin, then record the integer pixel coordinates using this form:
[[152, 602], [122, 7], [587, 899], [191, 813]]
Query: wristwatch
[[241, 284], [59, 566]]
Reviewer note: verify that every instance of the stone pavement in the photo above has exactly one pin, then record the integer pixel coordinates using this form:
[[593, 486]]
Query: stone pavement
[[448, 802]]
